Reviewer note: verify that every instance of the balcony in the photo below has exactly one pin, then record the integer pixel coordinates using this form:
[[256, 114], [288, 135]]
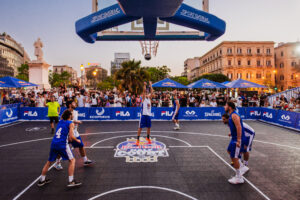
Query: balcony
[[269, 54], [229, 54], [258, 54], [239, 54], [249, 54]]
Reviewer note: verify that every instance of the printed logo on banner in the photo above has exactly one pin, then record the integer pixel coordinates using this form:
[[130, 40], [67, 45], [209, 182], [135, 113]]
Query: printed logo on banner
[[143, 153], [81, 114], [166, 113], [285, 117], [212, 114], [122, 113], [190, 114], [10, 115], [241, 113], [267, 115], [255, 113], [30, 113], [100, 114]]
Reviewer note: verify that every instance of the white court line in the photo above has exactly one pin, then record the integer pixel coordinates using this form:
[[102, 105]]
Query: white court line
[[102, 147], [188, 146], [142, 187], [185, 142], [31, 184], [8, 125], [249, 182], [5, 145]]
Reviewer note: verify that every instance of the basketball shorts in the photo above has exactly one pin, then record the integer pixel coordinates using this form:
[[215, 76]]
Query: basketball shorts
[[76, 144], [235, 152], [145, 121], [64, 152]]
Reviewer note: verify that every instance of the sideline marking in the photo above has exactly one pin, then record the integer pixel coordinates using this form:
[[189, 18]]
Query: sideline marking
[[31, 184], [189, 133], [142, 187], [101, 147], [11, 124], [249, 182], [185, 142]]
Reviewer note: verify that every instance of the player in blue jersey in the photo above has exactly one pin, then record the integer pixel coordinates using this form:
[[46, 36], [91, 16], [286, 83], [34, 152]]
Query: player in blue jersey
[[237, 133], [176, 107], [145, 120], [60, 147], [246, 143]]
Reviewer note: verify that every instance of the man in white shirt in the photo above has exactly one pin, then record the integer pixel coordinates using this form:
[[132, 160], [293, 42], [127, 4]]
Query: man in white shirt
[[80, 100], [213, 103], [118, 101], [60, 99]]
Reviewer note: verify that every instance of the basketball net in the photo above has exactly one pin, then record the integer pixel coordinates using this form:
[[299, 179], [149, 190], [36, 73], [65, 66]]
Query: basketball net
[[149, 47]]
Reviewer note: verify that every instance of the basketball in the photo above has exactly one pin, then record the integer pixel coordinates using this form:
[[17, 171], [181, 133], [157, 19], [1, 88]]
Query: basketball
[[147, 56]]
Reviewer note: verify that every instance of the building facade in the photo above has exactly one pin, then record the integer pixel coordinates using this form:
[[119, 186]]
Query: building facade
[[12, 56], [58, 69], [94, 75], [119, 59], [249, 60], [287, 61], [189, 65]]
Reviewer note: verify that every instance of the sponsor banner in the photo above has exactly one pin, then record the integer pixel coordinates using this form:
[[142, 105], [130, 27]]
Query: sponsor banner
[[33, 113], [83, 113], [268, 114], [297, 124], [122, 113], [189, 113], [8, 115], [242, 112], [253, 112], [286, 118], [98, 113], [213, 113], [164, 113]]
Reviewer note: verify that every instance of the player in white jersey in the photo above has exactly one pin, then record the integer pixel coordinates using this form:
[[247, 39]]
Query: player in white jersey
[[246, 143], [145, 120], [71, 105]]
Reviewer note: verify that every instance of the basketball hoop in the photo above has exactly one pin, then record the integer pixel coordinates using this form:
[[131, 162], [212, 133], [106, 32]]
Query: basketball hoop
[[149, 48]]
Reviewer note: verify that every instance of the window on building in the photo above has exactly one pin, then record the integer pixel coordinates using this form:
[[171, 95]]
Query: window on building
[[229, 50], [239, 50], [220, 51], [248, 76], [55, 69], [248, 51], [249, 62], [229, 62], [239, 75], [281, 65], [258, 63], [268, 51], [268, 63], [258, 76], [282, 54], [294, 64], [229, 75], [258, 51], [281, 77], [292, 76], [61, 70], [239, 63]]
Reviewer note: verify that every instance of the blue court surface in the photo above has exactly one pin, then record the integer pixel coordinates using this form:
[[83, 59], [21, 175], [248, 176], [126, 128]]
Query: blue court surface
[[191, 163]]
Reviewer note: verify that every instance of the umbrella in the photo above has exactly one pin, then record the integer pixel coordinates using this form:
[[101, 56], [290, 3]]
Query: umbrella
[[224, 83], [168, 83], [240, 83], [3, 85], [205, 83], [16, 83]]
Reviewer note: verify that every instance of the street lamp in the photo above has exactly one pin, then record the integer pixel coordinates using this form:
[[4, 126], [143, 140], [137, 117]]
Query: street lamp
[[82, 69]]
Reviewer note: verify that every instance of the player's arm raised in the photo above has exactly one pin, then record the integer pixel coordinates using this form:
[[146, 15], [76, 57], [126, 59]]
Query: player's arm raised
[[144, 91], [71, 134], [151, 88], [237, 123]]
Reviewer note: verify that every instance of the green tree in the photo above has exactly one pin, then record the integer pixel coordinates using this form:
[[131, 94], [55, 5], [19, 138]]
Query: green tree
[[23, 72], [132, 76], [108, 84], [181, 79], [213, 77], [56, 79], [158, 73]]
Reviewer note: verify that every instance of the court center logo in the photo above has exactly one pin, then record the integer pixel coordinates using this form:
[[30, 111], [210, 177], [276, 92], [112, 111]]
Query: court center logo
[[143, 153]]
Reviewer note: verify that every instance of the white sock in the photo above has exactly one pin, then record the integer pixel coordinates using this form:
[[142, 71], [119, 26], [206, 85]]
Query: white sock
[[42, 178], [245, 162], [85, 158], [238, 173], [241, 164], [71, 178]]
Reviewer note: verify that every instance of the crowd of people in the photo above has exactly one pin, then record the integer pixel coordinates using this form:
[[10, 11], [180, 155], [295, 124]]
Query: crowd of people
[[114, 98]]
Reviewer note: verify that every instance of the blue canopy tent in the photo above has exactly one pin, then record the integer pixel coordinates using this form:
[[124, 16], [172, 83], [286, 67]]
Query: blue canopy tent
[[226, 82], [16, 83], [168, 83], [3, 85], [205, 83], [240, 83]]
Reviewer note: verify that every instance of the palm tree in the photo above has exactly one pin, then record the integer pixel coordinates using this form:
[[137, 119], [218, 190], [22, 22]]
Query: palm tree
[[132, 76]]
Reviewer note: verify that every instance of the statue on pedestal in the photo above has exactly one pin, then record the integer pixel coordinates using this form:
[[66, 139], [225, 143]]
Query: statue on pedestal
[[38, 50]]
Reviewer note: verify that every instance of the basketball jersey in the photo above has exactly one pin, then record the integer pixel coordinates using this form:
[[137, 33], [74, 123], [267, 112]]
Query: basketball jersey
[[75, 118], [60, 139], [232, 127], [174, 104], [146, 107], [248, 130]]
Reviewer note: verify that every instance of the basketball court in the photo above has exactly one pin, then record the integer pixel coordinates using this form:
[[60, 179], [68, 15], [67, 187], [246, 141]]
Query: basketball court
[[191, 163]]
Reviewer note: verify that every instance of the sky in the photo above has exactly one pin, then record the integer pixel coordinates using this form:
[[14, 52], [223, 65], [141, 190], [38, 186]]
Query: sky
[[54, 22]]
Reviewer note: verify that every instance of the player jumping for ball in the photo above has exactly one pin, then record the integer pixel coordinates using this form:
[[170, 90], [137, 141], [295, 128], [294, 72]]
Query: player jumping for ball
[[237, 133], [60, 147], [71, 105], [246, 142], [176, 107], [145, 120]]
